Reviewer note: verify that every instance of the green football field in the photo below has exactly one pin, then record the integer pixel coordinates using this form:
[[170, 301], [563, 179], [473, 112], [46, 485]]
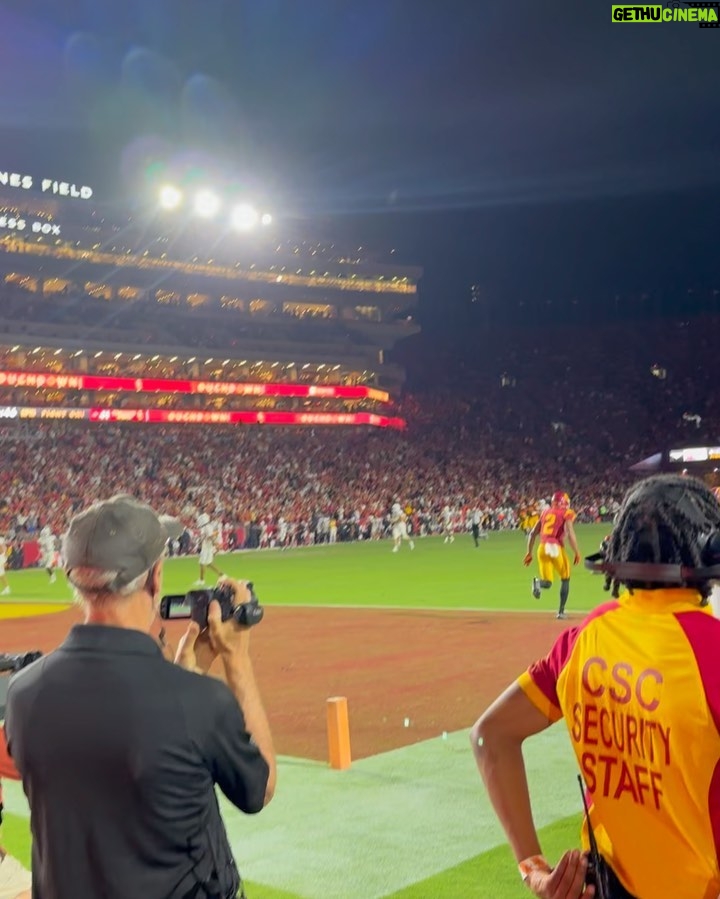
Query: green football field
[[434, 575], [392, 826]]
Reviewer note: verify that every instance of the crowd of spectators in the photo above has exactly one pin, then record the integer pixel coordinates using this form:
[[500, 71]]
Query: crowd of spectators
[[592, 399], [569, 410], [239, 476]]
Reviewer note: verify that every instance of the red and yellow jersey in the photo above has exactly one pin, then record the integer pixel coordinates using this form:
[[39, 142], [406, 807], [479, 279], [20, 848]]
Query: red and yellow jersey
[[638, 684], [552, 524], [529, 517]]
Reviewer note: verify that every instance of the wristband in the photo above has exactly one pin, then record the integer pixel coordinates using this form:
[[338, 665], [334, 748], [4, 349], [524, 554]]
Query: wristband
[[532, 864]]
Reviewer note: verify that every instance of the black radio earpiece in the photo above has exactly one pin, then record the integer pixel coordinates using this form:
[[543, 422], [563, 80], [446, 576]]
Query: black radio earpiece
[[657, 573]]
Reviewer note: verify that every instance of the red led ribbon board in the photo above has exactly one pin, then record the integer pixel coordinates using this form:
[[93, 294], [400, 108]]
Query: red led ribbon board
[[102, 414], [53, 381]]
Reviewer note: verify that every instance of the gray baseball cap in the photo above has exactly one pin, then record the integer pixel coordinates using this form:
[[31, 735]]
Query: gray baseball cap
[[118, 534]]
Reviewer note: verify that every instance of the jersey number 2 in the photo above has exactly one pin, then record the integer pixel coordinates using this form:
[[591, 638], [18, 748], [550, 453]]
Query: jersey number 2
[[549, 525]]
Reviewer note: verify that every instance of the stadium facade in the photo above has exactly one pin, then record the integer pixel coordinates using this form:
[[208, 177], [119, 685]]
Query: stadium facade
[[701, 462], [166, 317]]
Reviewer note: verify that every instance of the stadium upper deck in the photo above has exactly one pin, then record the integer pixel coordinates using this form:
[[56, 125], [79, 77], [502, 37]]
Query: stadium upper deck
[[80, 279]]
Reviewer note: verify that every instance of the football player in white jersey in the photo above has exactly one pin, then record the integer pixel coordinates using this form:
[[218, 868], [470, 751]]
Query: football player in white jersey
[[282, 533], [208, 546], [49, 554], [3, 559], [448, 529], [398, 520]]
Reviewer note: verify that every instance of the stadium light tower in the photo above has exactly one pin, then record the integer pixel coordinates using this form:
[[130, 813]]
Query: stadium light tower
[[170, 197], [245, 217], [207, 203]]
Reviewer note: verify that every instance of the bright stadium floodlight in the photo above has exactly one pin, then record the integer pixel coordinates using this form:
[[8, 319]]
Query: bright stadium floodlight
[[245, 217], [266, 219], [170, 197], [207, 203]]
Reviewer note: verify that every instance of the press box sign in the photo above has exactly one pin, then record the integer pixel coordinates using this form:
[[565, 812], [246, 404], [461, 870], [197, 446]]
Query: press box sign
[[17, 223]]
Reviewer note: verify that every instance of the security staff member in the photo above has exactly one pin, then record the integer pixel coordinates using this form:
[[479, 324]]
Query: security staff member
[[119, 750], [637, 685]]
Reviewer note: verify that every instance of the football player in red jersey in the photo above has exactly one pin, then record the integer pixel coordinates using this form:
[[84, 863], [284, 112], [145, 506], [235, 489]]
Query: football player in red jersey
[[556, 523]]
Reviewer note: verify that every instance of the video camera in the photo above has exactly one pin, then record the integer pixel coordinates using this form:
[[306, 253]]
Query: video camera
[[195, 605], [13, 662], [9, 664]]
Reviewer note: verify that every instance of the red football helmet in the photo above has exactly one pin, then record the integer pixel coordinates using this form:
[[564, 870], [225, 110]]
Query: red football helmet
[[561, 499]]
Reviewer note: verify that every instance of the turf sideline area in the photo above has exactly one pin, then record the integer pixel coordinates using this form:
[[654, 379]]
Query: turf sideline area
[[414, 822]]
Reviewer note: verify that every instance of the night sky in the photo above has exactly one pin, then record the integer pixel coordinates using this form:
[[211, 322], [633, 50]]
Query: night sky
[[528, 148]]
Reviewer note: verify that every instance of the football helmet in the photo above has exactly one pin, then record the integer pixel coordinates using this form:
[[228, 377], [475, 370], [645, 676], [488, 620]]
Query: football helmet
[[561, 499]]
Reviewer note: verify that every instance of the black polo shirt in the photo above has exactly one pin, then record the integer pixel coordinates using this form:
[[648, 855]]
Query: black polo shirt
[[119, 751]]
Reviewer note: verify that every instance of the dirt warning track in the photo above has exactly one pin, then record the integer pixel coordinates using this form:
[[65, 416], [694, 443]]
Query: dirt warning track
[[438, 670]]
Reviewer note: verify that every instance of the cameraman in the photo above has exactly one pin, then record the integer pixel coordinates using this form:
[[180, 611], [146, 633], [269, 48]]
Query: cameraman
[[638, 684], [118, 749]]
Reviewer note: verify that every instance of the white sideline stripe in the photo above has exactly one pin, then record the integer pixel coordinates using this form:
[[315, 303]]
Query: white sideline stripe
[[481, 610], [70, 601]]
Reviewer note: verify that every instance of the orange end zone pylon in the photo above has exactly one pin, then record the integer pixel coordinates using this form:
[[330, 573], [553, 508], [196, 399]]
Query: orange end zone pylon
[[338, 728]]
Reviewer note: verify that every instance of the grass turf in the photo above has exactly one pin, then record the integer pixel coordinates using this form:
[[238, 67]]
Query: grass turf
[[434, 575], [493, 874], [490, 875], [16, 840]]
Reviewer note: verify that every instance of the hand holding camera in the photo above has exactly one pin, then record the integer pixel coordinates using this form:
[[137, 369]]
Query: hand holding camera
[[13, 662], [220, 623], [236, 599], [228, 630]]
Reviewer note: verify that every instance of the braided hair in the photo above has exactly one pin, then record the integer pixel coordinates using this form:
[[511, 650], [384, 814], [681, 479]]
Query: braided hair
[[663, 520]]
